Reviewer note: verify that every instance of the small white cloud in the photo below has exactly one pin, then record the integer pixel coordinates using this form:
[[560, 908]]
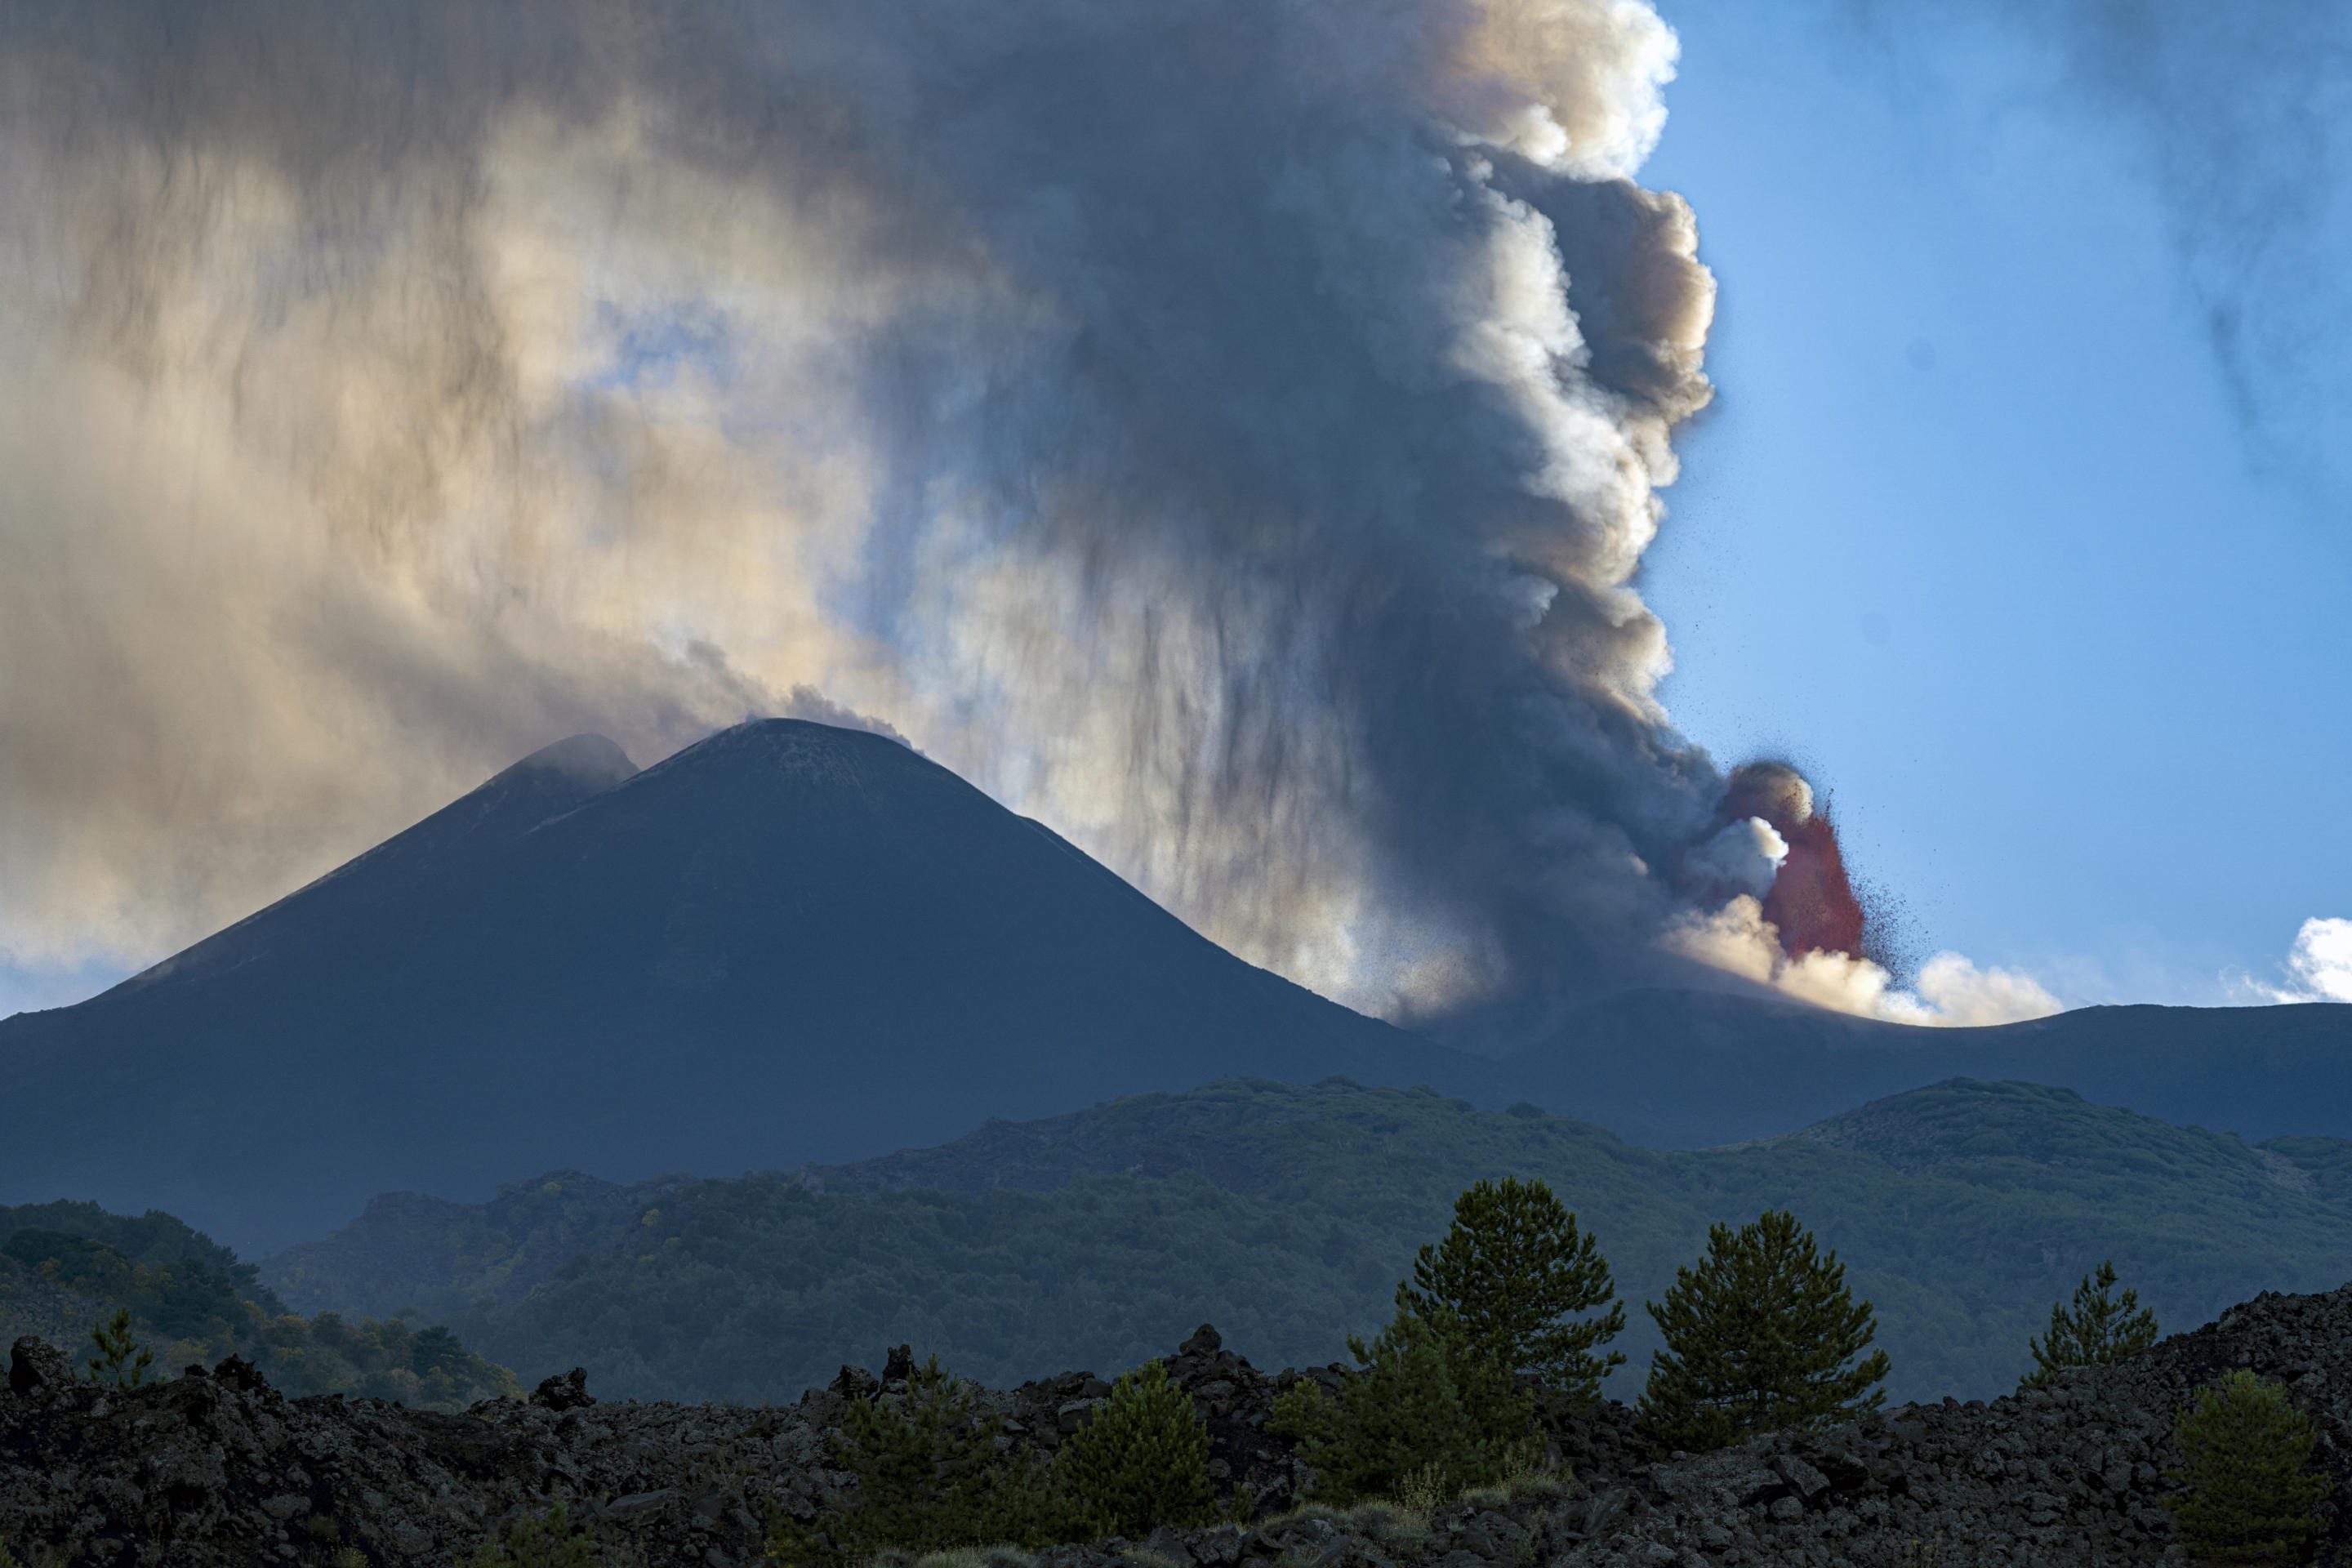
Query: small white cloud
[[1951, 993], [2318, 967]]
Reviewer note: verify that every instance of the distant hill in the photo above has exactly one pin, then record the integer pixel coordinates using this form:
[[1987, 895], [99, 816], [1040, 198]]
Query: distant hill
[[1287, 1215], [1691, 1069], [788, 942]]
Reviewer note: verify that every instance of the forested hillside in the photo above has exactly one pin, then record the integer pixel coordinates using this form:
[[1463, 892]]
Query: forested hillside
[[65, 1267], [1287, 1215]]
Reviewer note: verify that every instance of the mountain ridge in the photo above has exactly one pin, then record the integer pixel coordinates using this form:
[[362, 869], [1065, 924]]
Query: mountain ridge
[[788, 942], [1287, 1214], [794, 944]]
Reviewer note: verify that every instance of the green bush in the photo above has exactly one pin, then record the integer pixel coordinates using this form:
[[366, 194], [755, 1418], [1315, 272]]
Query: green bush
[[1422, 1403], [547, 1542], [1142, 1462], [2100, 1329], [1762, 1336], [1512, 1270], [2245, 1461], [929, 1479]]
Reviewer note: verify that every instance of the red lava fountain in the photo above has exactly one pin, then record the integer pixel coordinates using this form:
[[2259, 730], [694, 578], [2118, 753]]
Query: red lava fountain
[[1812, 900]]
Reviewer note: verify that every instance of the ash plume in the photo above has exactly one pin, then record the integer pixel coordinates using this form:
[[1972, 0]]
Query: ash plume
[[1227, 431]]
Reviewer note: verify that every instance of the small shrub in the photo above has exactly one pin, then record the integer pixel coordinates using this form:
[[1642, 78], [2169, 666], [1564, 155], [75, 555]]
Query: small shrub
[[1403, 1528], [121, 1359], [2246, 1460], [547, 1542], [928, 1480], [1421, 1491], [2100, 1329], [323, 1530], [1143, 1461], [977, 1557]]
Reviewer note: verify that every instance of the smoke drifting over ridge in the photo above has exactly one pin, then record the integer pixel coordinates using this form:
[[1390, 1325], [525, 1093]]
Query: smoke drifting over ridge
[[1227, 431], [2239, 115]]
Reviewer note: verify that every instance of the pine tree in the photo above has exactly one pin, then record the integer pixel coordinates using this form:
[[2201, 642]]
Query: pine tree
[[2099, 1330], [1142, 1462], [121, 1359], [2246, 1460], [1760, 1337], [1512, 1269], [1420, 1403]]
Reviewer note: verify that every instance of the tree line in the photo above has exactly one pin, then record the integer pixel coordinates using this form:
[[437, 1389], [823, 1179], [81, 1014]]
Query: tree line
[[1514, 1308]]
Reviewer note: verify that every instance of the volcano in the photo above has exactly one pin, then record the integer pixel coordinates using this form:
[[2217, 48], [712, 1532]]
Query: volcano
[[793, 943], [788, 942]]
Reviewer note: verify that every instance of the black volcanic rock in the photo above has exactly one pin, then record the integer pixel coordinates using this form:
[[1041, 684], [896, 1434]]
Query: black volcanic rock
[[209, 1471], [788, 942]]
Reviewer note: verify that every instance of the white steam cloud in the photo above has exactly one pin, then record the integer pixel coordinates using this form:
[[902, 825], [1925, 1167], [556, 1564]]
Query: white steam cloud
[[1950, 991], [1746, 855]]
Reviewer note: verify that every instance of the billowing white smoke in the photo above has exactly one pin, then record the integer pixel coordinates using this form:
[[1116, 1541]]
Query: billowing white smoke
[[1948, 991], [1747, 855], [1227, 430]]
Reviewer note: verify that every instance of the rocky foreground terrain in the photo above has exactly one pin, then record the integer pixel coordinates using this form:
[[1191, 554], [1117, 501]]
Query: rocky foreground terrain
[[218, 1468]]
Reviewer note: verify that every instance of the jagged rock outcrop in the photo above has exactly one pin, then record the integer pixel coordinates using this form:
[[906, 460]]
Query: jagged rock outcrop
[[218, 1469]]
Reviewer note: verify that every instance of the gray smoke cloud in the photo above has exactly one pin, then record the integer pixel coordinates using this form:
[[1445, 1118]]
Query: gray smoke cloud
[[1227, 430]]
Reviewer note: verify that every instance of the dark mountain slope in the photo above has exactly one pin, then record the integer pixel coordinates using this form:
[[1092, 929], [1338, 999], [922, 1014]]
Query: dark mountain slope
[[787, 942], [1686, 1069], [793, 942], [1287, 1215]]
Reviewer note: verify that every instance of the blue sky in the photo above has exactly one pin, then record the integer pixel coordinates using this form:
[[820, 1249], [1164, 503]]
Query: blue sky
[[1978, 531]]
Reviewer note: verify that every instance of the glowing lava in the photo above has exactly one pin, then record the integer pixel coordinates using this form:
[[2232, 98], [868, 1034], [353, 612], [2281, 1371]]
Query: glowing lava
[[1812, 901]]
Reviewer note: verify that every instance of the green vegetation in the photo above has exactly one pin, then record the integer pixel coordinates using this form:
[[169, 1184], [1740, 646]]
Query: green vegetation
[[181, 1288], [929, 1479], [1961, 1211], [544, 1542], [163, 1293], [1423, 1409], [1762, 1336], [1433, 1409], [2246, 1463], [2099, 1328], [1433, 1403], [1511, 1272], [1142, 1462], [121, 1359]]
